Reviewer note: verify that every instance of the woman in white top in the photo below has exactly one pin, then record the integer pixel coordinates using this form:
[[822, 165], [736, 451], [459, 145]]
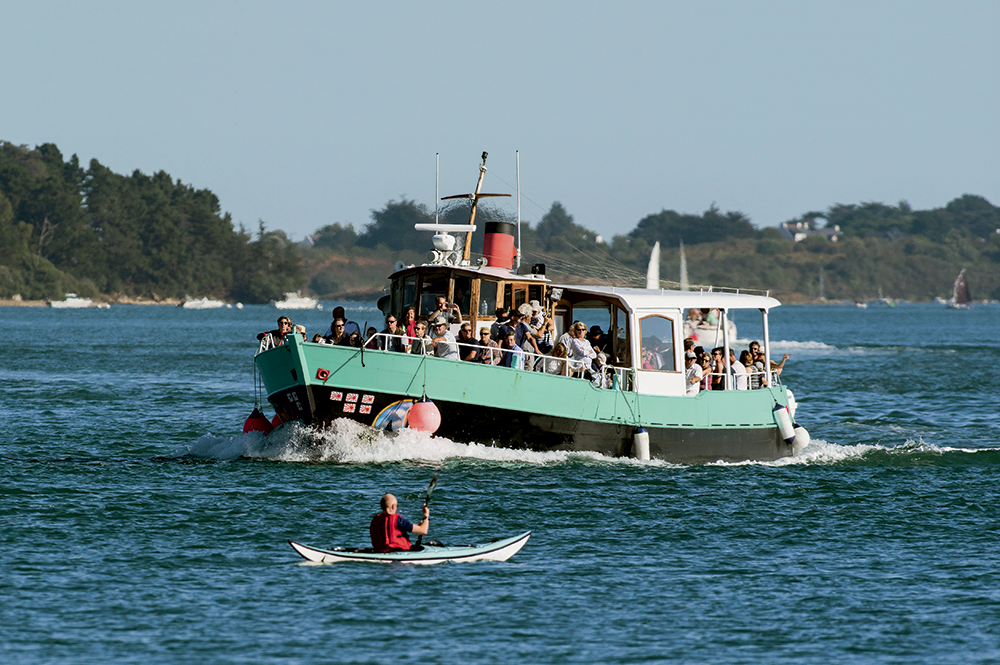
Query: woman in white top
[[583, 353]]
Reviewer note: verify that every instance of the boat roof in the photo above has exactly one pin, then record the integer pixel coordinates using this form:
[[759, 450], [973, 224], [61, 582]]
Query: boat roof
[[490, 271], [649, 299]]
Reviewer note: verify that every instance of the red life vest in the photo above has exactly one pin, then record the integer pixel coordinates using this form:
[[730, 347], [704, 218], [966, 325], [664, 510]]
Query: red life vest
[[386, 537]]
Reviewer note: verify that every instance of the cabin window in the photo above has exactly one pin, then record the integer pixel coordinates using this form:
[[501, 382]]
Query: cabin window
[[409, 293], [432, 286], [657, 343], [622, 356], [463, 294], [535, 292], [596, 315], [487, 297], [514, 296]]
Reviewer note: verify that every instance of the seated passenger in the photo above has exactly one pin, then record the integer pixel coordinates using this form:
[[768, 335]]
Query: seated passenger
[[582, 353], [596, 338], [692, 373], [392, 338], [371, 338], [277, 336], [409, 324], [502, 320], [557, 363], [338, 338], [444, 342], [522, 332], [739, 372], [705, 361], [718, 369], [489, 351], [513, 355], [350, 327], [421, 342], [467, 346], [318, 339]]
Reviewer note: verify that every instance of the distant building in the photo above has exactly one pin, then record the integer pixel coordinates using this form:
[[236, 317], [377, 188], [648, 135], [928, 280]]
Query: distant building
[[799, 231]]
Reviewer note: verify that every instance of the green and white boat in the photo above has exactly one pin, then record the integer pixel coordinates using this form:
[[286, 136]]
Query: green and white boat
[[632, 410]]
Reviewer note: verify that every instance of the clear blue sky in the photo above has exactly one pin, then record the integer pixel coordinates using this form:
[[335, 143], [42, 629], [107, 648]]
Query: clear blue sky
[[309, 113]]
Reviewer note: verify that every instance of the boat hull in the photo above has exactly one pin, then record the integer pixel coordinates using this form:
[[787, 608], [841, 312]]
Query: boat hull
[[518, 409], [499, 550]]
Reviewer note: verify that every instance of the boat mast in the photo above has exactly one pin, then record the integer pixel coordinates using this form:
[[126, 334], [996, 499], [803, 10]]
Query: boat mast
[[437, 182], [474, 197]]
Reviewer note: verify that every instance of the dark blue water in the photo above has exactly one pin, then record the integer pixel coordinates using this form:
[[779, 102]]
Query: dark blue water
[[139, 526]]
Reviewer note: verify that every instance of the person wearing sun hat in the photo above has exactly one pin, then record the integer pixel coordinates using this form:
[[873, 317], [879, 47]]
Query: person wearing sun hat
[[445, 344]]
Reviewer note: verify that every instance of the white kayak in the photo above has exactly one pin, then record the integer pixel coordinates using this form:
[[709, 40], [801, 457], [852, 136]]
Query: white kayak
[[498, 550]]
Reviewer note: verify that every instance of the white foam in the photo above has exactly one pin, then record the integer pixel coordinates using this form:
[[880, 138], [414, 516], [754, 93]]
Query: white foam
[[348, 442]]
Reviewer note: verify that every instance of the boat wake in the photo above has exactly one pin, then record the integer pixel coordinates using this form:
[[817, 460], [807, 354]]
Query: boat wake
[[348, 442]]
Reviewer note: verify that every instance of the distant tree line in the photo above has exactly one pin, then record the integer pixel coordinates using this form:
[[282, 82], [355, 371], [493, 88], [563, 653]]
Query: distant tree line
[[65, 228], [92, 231]]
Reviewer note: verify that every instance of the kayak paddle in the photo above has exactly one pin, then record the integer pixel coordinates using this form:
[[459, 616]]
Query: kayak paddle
[[427, 500]]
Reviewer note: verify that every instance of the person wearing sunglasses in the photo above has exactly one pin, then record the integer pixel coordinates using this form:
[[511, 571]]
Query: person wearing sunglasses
[[489, 351], [392, 338], [278, 335]]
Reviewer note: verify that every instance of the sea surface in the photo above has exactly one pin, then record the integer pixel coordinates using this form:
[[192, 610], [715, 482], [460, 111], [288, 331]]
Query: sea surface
[[139, 525]]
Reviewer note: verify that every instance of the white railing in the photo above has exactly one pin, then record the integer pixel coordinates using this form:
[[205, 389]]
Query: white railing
[[619, 378], [607, 376]]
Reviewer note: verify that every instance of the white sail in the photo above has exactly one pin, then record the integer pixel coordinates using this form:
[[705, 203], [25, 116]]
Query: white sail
[[653, 271], [684, 269]]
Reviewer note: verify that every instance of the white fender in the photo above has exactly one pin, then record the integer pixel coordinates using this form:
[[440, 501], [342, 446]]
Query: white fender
[[784, 423], [640, 444], [802, 439]]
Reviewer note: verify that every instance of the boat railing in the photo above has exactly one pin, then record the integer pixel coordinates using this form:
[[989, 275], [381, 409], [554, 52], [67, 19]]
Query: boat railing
[[620, 378], [750, 380], [266, 342]]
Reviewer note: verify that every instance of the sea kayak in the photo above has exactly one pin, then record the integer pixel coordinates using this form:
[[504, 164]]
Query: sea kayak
[[498, 550]]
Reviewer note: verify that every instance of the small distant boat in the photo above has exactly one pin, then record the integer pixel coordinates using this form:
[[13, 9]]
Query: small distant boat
[[295, 300], [860, 304], [960, 298], [72, 302], [201, 303]]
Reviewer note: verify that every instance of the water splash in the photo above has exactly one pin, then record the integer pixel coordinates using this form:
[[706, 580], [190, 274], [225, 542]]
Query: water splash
[[348, 442]]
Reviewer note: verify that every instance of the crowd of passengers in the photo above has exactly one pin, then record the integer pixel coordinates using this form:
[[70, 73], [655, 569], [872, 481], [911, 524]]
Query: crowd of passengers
[[522, 338], [708, 370]]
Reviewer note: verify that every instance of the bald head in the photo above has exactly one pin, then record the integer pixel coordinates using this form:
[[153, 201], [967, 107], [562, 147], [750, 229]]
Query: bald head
[[389, 504]]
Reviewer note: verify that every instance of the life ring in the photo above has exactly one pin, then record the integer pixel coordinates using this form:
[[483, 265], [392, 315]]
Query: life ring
[[322, 374]]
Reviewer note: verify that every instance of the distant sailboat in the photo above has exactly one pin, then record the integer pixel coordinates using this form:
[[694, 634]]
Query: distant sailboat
[[960, 298], [653, 271]]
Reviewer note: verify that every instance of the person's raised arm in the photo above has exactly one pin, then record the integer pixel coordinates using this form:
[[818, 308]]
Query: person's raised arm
[[421, 529]]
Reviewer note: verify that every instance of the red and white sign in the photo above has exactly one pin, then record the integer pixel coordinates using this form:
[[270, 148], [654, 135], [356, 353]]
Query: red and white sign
[[352, 397], [349, 408], [336, 396]]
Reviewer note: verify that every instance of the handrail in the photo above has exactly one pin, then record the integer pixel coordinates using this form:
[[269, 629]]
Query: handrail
[[611, 376]]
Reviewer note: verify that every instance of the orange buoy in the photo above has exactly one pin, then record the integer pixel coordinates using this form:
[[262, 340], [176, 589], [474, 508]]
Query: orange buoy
[[424, 416], [276, 420], [257, 422]]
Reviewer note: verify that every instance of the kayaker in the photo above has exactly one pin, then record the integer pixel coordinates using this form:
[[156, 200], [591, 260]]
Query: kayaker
[[389, 529]]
